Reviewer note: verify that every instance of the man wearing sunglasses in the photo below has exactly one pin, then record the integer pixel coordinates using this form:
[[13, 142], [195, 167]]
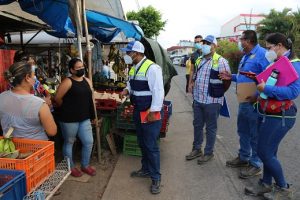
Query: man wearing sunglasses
[[253, 61], [208, 96]]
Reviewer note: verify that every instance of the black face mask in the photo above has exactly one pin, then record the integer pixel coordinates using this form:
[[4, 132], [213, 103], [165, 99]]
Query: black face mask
[[79, 73]]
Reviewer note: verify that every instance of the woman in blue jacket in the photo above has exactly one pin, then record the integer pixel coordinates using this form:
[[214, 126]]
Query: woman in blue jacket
[[274, 125]]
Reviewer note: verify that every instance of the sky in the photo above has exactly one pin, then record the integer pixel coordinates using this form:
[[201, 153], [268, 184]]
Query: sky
[[188, 18]]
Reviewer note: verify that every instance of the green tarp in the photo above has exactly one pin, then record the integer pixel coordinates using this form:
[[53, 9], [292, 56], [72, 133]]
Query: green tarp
[[156, 53]]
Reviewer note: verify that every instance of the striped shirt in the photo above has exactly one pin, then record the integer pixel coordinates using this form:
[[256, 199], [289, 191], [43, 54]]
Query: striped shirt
[[200, 92]]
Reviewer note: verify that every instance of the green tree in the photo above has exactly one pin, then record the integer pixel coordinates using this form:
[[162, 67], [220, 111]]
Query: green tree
[[283, 22], [229, 50], [150, 20]]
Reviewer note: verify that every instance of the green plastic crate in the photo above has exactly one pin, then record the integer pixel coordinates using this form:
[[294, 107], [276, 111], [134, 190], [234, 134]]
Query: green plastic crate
[[131, 146]]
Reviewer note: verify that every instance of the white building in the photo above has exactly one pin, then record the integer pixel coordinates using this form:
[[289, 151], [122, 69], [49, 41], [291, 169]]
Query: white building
[[234, 27]]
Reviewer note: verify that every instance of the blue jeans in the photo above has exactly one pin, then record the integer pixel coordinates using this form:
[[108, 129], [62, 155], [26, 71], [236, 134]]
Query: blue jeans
[[84, 131], [270, 134], [247, 131], [147, 135], [207, 114]]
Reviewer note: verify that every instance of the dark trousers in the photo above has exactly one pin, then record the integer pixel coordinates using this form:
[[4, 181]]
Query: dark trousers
[[187, 83], [147, 135], [205, 114], [270, 134]]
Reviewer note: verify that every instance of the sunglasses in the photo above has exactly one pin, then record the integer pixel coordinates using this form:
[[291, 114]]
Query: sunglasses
[[206, 42]]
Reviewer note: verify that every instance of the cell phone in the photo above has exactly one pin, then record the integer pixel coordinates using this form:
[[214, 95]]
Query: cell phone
[[247, 73]]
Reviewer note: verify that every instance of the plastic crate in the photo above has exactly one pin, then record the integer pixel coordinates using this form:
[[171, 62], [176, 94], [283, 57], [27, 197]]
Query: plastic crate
[[170, 107], [38, 166], [12, 185], [131, 146], [124, 123], [106, 104]]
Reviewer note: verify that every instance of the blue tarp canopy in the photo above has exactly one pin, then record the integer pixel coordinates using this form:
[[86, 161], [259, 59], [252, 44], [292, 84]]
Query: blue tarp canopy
[[98, 19], [104, 35], [5, 2]]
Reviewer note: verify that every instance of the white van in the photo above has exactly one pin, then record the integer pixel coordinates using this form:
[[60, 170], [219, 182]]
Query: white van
[[176, 61]]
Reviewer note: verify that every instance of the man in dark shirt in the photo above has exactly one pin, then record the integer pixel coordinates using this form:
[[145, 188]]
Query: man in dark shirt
[[197, 53]]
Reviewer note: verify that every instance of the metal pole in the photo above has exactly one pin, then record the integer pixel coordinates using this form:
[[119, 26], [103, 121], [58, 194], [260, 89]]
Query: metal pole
[[79, 29], [89, 59]]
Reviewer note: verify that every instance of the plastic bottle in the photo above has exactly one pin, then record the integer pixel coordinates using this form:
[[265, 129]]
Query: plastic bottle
[[272, 80]]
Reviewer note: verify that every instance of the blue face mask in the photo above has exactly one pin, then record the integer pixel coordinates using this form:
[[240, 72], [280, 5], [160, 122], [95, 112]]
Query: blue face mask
[[206, 49], [198, 46], [241, 48]]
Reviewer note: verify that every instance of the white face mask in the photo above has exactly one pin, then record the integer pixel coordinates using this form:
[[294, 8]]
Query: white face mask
[[241, 48], [206, 49], [271, 55], [127, 59]]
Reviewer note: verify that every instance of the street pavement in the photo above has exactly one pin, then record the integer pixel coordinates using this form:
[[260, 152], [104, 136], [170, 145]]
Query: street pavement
[[186, 180]]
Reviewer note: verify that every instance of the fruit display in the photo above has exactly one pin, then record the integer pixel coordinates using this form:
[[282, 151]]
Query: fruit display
[[106, 95], [119, 65], [8, 148], [127, 112]]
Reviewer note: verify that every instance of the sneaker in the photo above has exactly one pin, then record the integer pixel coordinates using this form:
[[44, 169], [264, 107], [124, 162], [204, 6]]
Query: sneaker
[[250, 171], [237, 162], [258, 189], [76, 172], [140, 174], [194, 154], [279, 193], [205, 158], [155, 187], [89, 170]]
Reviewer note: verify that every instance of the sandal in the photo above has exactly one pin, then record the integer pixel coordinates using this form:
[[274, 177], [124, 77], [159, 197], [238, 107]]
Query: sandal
[[76, 172], [89, 170]]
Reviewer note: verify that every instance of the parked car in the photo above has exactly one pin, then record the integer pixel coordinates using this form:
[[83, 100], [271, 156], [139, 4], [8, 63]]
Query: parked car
[[176, 61]]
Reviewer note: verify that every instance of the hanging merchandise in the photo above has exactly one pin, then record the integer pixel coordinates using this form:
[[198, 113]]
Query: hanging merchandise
[[119, 65]]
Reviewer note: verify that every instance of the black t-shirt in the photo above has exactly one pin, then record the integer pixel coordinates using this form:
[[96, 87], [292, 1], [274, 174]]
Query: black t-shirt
[[78, 103]]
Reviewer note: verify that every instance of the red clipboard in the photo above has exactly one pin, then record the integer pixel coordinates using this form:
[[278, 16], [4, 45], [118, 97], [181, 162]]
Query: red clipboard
[[287, 72], [144, 115]]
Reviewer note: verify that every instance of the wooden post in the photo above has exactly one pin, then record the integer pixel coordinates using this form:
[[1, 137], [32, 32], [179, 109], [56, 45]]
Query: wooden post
[[89, 59]]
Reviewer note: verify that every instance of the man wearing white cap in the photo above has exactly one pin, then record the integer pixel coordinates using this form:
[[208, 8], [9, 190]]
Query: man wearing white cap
[[146, 91], [208, 96]]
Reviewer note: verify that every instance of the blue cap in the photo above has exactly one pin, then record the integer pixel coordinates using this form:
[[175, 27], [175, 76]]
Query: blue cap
[[211, 39]]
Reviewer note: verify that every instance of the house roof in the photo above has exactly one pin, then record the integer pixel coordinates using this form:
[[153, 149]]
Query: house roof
[[175, 48]]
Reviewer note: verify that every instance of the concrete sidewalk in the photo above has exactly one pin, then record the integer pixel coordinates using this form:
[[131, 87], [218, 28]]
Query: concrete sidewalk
[[181, 179]]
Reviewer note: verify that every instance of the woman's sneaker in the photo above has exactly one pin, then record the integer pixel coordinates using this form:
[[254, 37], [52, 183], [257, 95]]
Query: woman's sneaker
[[76, 172], [279, 193], [89, 170], [258, 189]]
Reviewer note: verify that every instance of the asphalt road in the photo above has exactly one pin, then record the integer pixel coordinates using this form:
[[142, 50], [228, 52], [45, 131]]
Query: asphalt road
[[227, 138]]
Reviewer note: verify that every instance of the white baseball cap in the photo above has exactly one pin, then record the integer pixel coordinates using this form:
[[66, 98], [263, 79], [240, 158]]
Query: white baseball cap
[[134, 46]]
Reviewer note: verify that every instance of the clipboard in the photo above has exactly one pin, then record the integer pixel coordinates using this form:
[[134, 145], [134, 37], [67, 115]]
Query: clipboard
[[287, 72]]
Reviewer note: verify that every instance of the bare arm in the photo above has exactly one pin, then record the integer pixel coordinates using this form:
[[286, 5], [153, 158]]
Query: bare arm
[[62, 90], [47, 120]]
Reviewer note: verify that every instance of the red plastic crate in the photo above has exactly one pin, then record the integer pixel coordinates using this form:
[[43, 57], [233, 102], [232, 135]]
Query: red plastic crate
[[38, 166], [106, 104]]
